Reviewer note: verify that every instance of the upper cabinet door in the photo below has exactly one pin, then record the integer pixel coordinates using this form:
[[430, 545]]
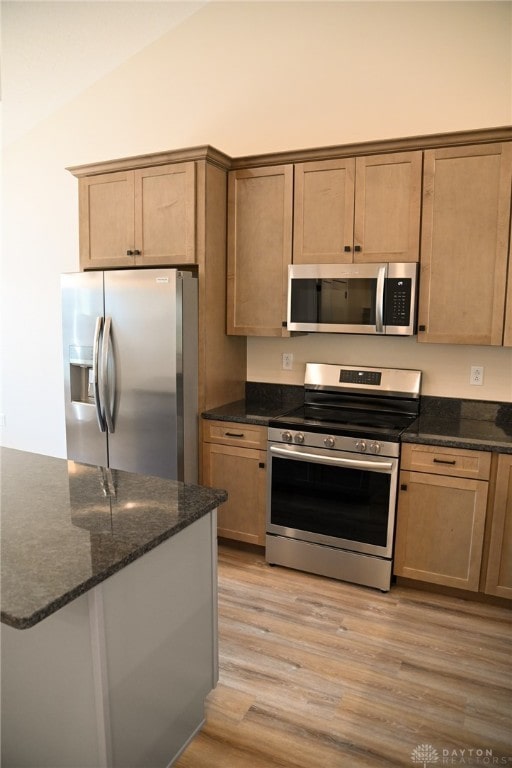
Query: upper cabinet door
[[465, 232], [388, 207], [260, 204], [106, 220], [165, 214], [365, 209], [323, 231], [507, 334]]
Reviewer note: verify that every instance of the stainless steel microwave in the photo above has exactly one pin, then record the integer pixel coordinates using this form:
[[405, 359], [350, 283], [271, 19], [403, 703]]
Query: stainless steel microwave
[[353, 298]]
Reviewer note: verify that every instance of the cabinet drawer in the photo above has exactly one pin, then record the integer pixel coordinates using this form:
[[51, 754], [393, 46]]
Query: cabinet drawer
[[234, 433], [457, 462]]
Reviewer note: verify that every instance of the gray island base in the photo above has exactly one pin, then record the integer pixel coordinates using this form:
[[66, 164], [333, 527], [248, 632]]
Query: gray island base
[[109, 620]]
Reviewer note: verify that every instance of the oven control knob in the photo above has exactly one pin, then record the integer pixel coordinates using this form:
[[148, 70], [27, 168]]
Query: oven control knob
[[361, 445], [299, 437], [375, 447], [286, 437], [329, 442]]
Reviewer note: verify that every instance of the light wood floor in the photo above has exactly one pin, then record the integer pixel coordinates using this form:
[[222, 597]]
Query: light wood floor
[[315, 672]]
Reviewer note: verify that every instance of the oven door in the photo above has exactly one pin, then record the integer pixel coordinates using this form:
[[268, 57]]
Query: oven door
[[336, 498]]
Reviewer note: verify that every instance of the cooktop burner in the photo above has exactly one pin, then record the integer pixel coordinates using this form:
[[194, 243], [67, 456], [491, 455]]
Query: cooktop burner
[[374, 403]]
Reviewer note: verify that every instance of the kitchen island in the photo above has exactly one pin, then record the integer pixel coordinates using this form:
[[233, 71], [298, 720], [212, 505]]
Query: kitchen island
[[109, 622]]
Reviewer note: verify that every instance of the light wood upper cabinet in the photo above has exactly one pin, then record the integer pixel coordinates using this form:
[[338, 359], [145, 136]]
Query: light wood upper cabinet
[[364, 209], [499, 566], [465, 232], [507, 333], [441, 517], [388, 207], [165, 214], [323, 231], [107, 226], [259, 249], [143, 217]]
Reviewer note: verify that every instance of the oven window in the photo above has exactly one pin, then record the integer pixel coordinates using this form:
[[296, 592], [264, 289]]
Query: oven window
[[343, 301], [345, 503]]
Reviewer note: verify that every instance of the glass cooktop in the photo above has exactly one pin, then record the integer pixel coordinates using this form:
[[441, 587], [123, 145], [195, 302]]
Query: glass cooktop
[[369, 424]]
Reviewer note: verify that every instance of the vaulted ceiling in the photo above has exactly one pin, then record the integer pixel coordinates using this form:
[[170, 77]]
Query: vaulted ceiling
[[52, 51]]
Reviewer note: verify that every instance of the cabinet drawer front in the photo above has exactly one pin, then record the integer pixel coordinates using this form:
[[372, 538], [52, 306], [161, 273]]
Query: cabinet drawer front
[[456, 462], [234, 433]]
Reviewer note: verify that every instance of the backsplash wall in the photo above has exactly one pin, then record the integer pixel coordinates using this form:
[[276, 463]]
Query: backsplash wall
[[445, 367]]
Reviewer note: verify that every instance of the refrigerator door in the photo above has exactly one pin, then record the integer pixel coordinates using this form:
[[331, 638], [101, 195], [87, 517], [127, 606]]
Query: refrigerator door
[[82, 324], [142, 370]]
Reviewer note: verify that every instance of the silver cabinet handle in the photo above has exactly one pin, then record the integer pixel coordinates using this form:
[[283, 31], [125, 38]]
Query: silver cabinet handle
[[339, 461], [379, 306], [95, 373], [105, 388]]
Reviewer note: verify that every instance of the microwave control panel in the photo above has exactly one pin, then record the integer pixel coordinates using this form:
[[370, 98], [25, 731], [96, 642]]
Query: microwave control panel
[[397, 309]]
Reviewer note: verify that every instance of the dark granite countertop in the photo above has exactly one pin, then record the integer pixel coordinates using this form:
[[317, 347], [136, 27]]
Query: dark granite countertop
[[477, 425], [245, 412], [452, 422], [262, 403], [66, 527]]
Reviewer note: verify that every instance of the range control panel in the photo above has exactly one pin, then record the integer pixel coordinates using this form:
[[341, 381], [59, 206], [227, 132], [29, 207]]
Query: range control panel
[[360, 377]]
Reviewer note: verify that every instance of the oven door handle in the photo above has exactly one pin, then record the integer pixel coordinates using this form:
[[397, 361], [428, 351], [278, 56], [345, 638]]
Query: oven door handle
[[338, 461]]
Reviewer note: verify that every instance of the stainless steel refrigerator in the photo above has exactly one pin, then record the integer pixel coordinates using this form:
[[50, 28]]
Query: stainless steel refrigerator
[[130, 360]]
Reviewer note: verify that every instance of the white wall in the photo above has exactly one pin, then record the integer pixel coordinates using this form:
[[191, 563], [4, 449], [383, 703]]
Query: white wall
[[246, 78]]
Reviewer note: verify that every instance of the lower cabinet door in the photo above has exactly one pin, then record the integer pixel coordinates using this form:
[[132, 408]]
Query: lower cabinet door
[[440, 529], [241, 472], [499, 566]]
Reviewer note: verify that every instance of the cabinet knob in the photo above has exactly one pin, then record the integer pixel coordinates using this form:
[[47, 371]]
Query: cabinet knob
[[422, 327], [136, 252], [357, 248], [347, 249], [129, 253]]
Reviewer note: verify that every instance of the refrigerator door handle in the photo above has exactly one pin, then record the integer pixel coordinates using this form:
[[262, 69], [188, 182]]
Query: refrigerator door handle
[[95, 373], [105, 383]]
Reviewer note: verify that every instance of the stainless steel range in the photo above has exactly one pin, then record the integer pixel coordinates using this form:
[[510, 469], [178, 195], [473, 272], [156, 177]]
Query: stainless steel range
[[333, 472]]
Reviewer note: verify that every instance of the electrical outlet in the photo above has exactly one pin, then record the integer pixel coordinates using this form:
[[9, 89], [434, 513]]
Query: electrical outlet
[[287, 361], [476, 375]]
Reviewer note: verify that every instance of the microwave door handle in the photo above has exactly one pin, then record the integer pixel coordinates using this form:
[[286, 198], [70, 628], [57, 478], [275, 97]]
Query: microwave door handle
[[379, 300], [338, 461], [95, 372]]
